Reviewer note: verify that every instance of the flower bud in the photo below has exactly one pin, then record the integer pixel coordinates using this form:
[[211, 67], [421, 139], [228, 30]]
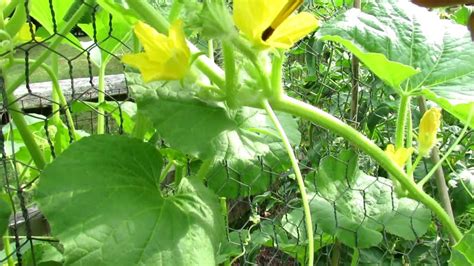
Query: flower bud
[[429, 126]]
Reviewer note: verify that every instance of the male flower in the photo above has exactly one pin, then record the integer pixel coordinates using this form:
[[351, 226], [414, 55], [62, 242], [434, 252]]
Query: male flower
[[270, 23], [399, 156], [429, 126], [165, 57]]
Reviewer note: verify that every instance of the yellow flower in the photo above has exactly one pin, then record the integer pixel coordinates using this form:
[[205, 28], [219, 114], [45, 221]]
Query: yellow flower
[[24, 34], [270, 23], [399, 156], [429, 126], [165, 57]]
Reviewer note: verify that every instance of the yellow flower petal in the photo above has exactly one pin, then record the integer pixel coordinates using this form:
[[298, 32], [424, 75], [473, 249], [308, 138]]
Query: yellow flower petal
[[399, 156], [144, 64], [24, 34], [253, 17], [429, 126], [176, 36], [292, 30], [165, 57], [154, 43]]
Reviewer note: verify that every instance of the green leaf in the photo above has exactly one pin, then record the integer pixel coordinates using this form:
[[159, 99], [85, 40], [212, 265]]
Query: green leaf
[[356, 207], [5, 212], [110, 33], [410, 220], [103, 201], [44, 255], [413, 36], [391, 72], [463, 251], [41, 11], [122, 112], [209, 130]]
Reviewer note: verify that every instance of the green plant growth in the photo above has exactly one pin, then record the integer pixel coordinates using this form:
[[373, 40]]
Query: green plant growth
[[202, 132]]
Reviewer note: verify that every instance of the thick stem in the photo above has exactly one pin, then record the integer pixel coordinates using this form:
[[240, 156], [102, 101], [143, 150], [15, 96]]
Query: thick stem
[[28, 138], [101, 100], [71, 23], [277, 74], [230, 73], [299, 179], [204, 169], [304, 110], [401, 121], [175, 10], [19, 120]]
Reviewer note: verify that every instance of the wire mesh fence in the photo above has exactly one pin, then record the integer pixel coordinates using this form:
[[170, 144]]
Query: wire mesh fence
[[262, 203]]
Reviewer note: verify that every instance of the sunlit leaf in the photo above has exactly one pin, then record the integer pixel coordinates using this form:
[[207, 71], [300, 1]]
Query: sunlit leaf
[[103, 202]]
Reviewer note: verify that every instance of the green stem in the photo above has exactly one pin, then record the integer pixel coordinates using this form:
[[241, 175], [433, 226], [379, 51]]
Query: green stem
[[210, 49], [28, 138], [141, 126], [55, 106], [166, 170], [10, 8], [101, 100], [412, 169], [401, 121], [19, 120], [63, 31], [175, 10], [2, 23], [8, 249], [299, 179], [230, 73], [336, 253], [204, 169], [304, 110], [56, 90], [277, 74], [225, 214], [355, 257], [409, 133]]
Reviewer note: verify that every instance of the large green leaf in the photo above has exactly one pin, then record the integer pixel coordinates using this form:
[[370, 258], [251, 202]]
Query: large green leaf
[[41, 11], [103, 201], [413, 36], [5, 212], [356, 207], [109, 32], [208, 130], [463, 251]]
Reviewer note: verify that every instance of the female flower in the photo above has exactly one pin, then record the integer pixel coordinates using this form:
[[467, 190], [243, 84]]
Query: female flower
[[399, 156], [270, 23], [165, 57], [429, 126]]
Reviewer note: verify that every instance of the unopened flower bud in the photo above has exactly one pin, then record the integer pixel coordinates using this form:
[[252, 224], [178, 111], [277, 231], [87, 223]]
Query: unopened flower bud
[[429, 126]]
